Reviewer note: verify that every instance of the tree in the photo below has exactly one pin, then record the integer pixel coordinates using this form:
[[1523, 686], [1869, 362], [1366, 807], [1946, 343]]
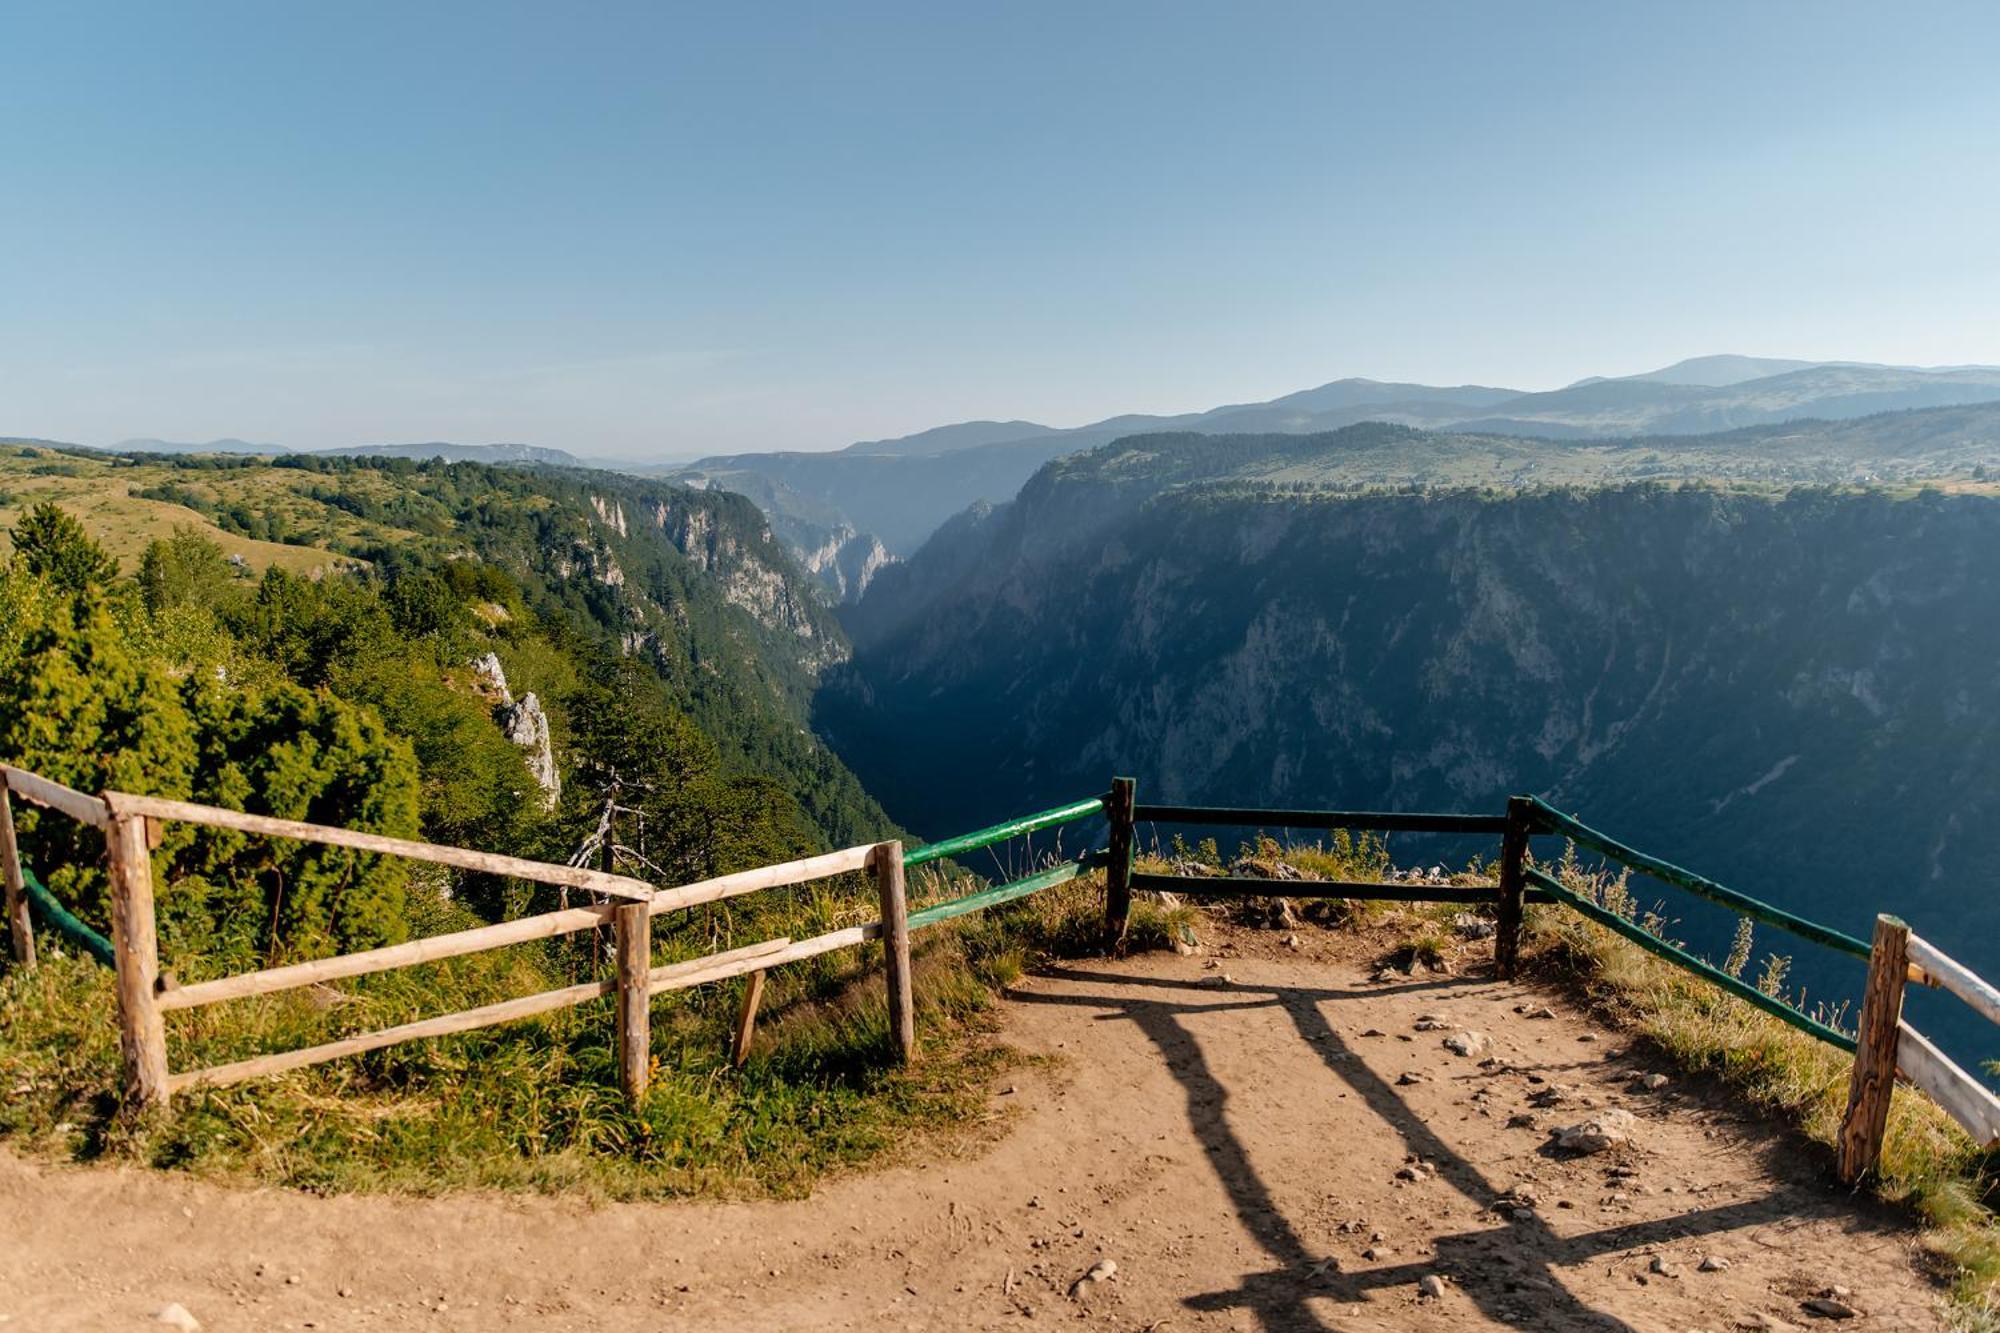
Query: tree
[[186, 569], [52, 544], [79, 707]]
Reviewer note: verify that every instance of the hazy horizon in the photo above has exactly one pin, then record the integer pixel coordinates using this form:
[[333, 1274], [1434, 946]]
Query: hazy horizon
[[671, 231]]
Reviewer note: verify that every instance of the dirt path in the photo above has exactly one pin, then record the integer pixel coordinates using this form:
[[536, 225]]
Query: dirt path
[[1231, 1132]]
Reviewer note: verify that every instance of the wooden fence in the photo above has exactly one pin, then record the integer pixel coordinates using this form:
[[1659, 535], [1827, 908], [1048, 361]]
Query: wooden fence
[[131, 828], [1883, 1047]]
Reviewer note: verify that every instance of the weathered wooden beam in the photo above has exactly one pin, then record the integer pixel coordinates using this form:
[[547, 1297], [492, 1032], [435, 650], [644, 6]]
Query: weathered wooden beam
[[1964, 1098], [142, 1035], [746, 1019], [492, 863], [466, 1020], [1118, 870], [546, 925], [674, 976], [1933, 967], [888, 863], [20, 927], [1513, 857], [1874, 1077], [34, 787], [633, 928], [762, 877]]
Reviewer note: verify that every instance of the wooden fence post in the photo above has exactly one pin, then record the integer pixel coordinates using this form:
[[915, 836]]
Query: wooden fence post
[[1874, 1076], [746, 1019], [1118, 871], [888, 862], [632, 929], [20, 929], [1513, 856], [142, 1033]]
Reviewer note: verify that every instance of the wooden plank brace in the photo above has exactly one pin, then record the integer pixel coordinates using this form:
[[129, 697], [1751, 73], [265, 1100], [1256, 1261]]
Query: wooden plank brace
[[746, 1019]]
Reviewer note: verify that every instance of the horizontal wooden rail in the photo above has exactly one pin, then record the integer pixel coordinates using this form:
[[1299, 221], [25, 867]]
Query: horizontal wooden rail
[[1375, 820], [1013, 828], [716, 966], [763, 877], [543, 872], [546, 925], [1555, 821], [506, 1011], [1357, 890], [1687, 962], [1964, 1098], [1936, 968], [34, 787]]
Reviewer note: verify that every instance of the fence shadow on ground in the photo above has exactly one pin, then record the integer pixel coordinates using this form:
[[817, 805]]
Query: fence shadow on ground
[[1280, 1296]]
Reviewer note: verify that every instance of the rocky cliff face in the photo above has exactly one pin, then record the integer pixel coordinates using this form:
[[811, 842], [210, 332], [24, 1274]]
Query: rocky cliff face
[[740, 562], [1797, 693], [845, 561]]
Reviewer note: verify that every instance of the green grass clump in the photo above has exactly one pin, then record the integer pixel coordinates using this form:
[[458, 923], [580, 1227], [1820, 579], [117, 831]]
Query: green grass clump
[[535, 1104]]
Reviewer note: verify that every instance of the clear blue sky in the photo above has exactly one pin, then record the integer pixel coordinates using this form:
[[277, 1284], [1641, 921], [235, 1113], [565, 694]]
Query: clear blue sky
[[669, 229]]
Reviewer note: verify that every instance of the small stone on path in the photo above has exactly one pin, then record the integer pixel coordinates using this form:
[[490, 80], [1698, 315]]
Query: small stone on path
[[1828, 1307], [1430, 1287], [175, 1315], [1600, 1133], [1466, 1043], [1086, 1284]]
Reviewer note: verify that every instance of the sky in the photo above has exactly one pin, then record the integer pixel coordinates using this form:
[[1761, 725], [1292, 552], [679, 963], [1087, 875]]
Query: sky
[[663, 230]]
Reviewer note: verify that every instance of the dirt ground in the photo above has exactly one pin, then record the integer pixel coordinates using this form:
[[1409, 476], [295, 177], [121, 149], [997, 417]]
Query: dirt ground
[[1262, 1138]]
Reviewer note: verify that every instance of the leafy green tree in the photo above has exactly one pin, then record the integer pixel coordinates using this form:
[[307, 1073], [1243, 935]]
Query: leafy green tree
[[79, 707], [300, 755], [185, 569], [51, 543], [75, 706]]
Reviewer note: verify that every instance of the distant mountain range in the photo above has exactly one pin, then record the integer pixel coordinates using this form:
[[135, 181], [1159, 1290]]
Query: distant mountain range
[[451, 453], [901, 490]]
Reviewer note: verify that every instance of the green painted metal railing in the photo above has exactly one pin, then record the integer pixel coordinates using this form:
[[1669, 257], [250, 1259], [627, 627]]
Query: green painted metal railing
[[54, 916], [1013, 828], [1060, 873], [1680, 958], [1555, 821]]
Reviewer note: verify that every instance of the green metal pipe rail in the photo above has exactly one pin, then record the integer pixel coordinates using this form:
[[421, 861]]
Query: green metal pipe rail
[[1060, 873], [1553, 820], [52, 915], [1680, 958], [1013, 828], [1373, 820]]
